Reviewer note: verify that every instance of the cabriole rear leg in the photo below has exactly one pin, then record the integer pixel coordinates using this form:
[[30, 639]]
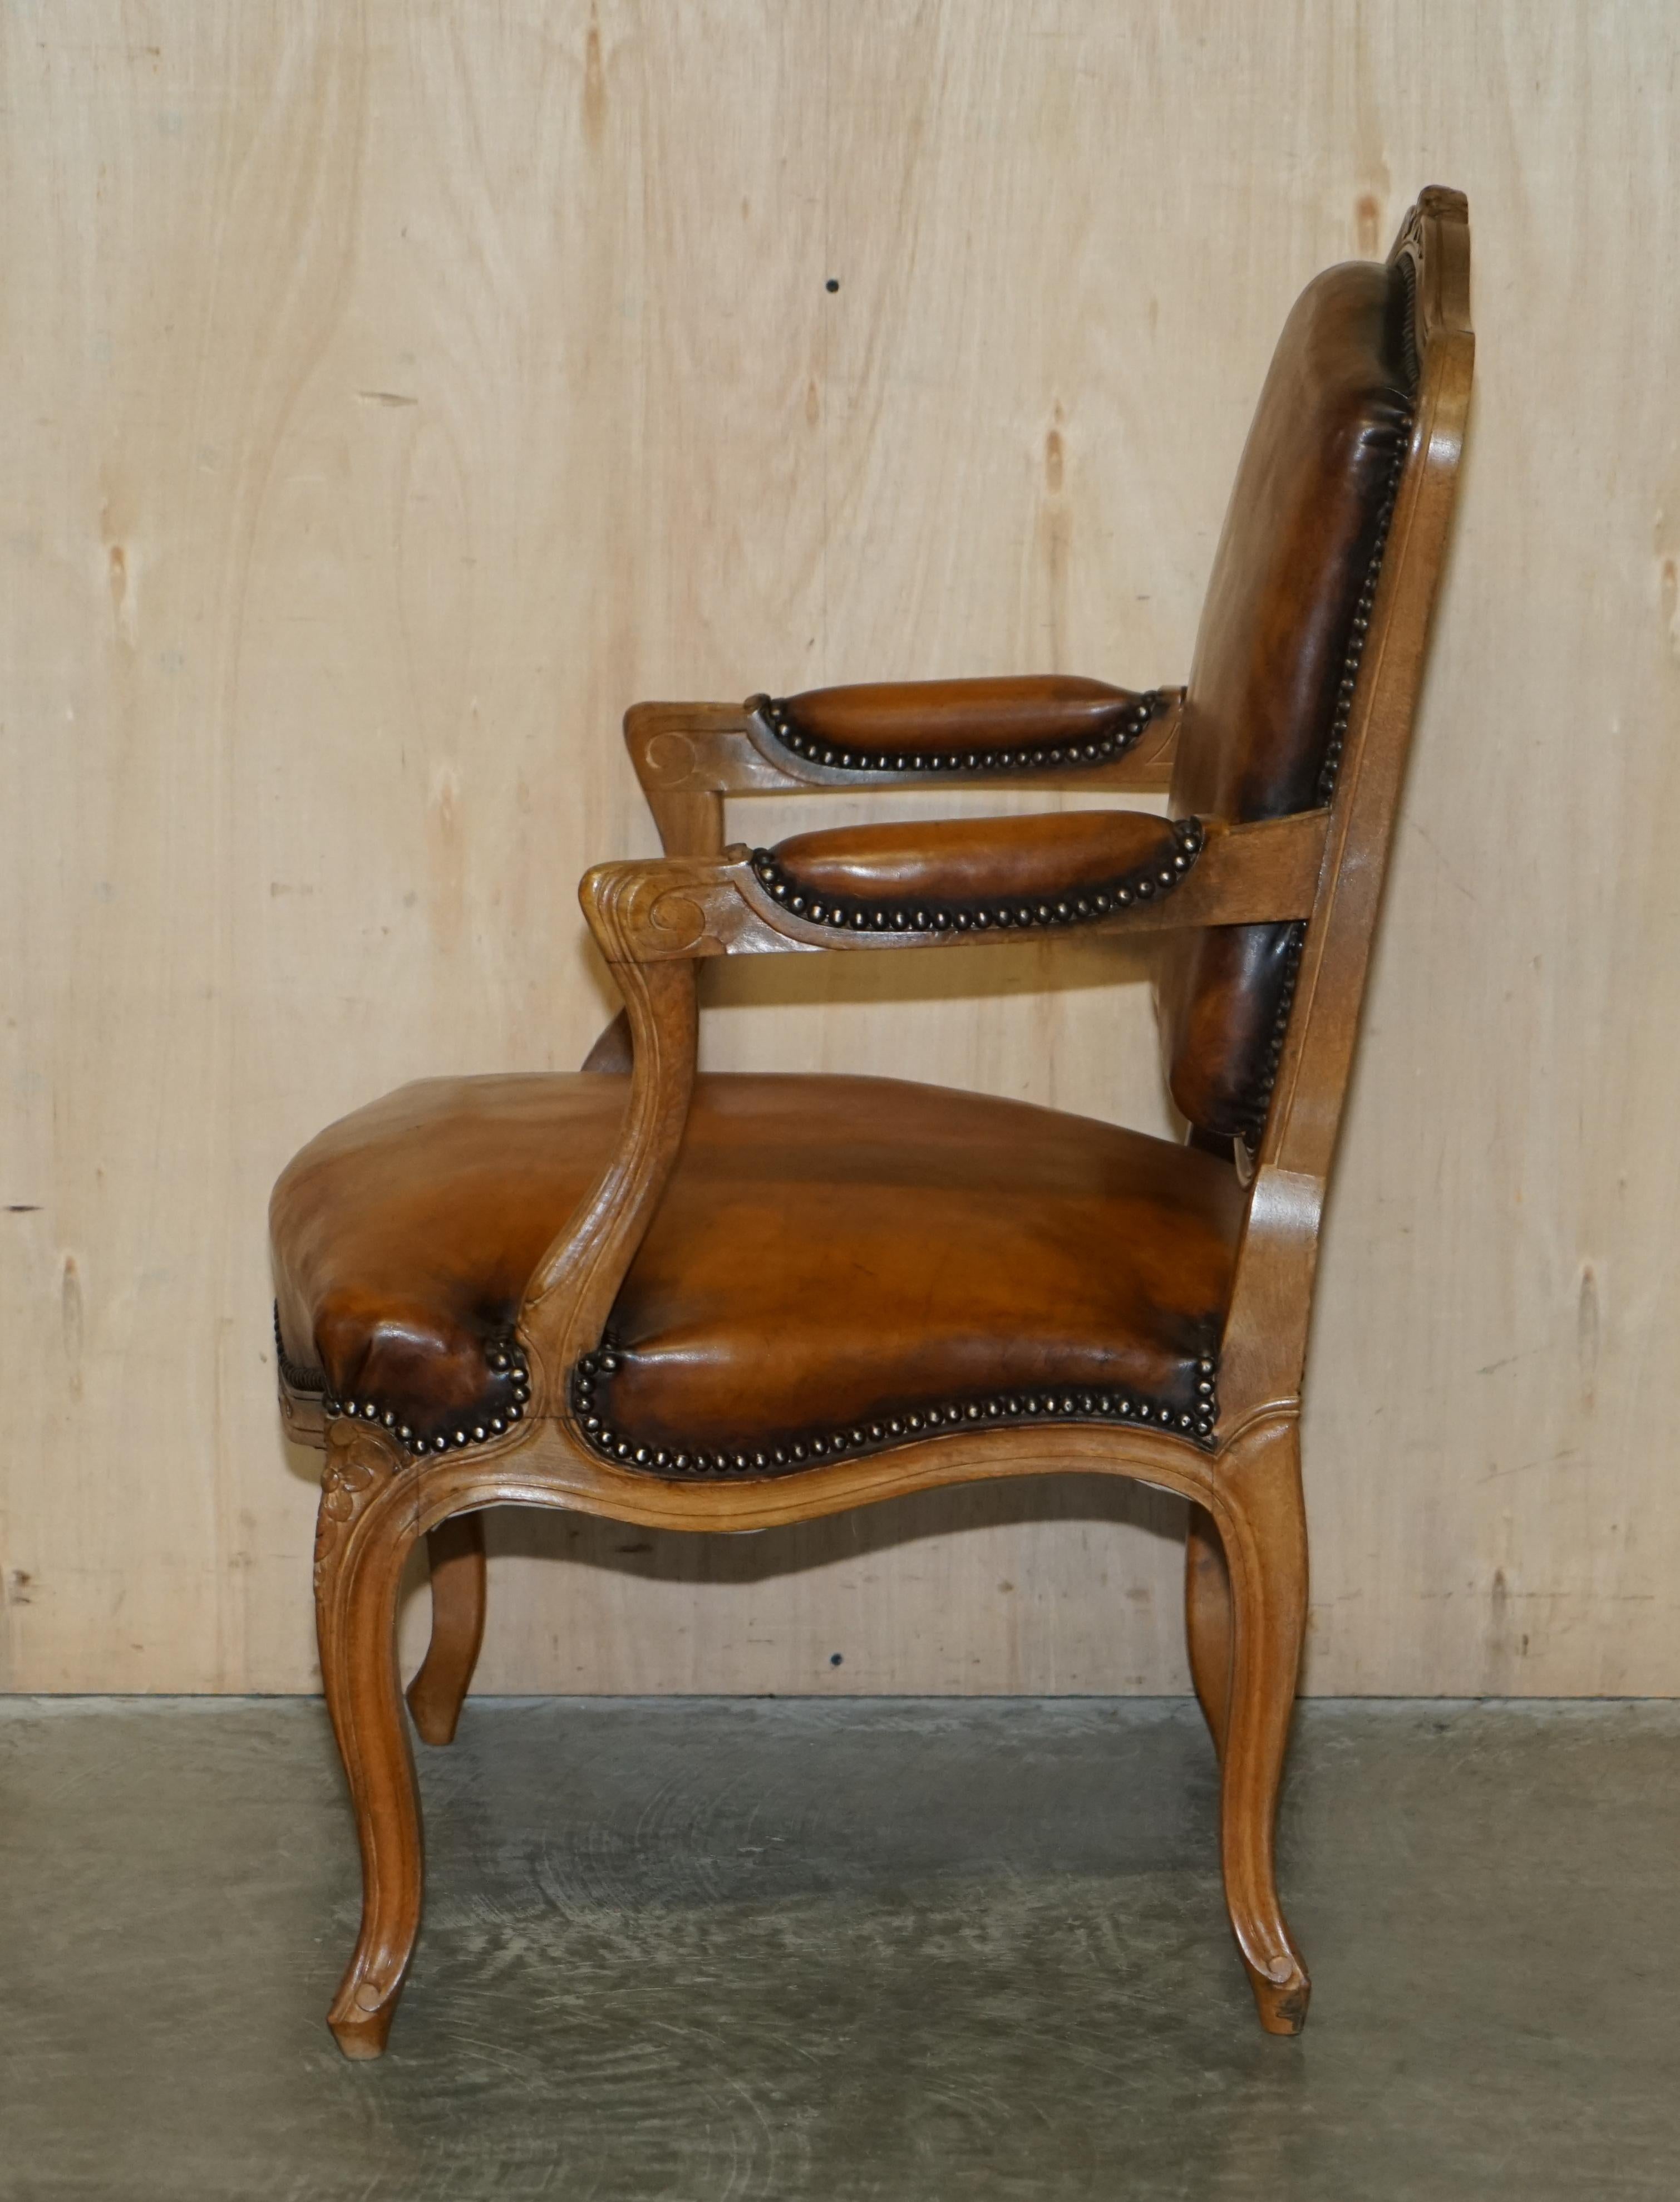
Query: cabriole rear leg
[[455, 1550], [1207, 1626], [1262, 1526]]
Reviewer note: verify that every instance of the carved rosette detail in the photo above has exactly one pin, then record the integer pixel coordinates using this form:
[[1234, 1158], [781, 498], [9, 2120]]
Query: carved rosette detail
[[678, 921]]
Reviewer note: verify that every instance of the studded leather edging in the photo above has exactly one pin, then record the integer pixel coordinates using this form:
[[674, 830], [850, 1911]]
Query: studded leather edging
[[506, 1359], [1293, 945], [1361, 621], [1073, 752], [294, 1378], [1260, 1102], [1073, 906], [879, 1434]]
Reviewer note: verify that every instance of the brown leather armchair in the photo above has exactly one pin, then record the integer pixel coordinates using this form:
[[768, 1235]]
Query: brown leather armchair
[[725, 1302]]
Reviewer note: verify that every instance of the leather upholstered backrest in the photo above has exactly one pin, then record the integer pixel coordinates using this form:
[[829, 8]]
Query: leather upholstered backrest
[[1278, 654]]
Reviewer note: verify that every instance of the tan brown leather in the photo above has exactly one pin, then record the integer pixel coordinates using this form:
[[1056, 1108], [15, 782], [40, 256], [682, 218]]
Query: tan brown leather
[[1057, 869], [1036, 719], [831, 1251], [1277, 654]]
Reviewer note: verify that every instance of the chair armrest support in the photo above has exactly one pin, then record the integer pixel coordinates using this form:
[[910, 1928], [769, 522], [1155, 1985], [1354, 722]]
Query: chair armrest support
[[653, 919], [664, 908]]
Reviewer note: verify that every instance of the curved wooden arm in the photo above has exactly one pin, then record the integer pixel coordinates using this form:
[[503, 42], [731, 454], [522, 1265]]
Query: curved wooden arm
[[667, 909], [572, 1290], [688, 757]]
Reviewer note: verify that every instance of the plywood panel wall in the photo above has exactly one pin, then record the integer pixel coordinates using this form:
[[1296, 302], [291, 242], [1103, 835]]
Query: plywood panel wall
[[395, 392]]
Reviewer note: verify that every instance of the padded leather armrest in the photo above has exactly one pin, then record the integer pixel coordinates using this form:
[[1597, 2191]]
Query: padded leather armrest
[[1036, 720], [1060, 869], [955, 881]]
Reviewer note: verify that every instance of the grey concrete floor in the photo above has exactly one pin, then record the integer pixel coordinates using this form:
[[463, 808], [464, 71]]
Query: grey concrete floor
[[904, 1949]]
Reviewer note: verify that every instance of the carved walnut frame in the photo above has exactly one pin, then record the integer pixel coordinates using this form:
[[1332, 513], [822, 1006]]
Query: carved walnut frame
[[1246, 1577]]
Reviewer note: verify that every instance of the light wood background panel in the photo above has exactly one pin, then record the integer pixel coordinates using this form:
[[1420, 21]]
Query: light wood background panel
[[395, 392]]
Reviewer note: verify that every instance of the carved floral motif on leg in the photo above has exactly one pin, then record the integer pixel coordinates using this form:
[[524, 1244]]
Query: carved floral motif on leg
[[356, 1465]]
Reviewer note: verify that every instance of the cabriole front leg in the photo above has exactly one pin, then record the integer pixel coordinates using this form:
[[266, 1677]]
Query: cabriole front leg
[[1256, 1503], [365, 1529]]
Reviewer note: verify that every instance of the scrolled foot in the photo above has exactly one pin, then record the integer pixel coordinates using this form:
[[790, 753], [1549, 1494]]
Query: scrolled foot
[[360, 2017], [1282, 1994], [364, 1533]]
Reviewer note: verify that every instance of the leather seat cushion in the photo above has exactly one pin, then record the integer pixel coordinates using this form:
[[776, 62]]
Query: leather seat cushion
[[831, 1251]]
